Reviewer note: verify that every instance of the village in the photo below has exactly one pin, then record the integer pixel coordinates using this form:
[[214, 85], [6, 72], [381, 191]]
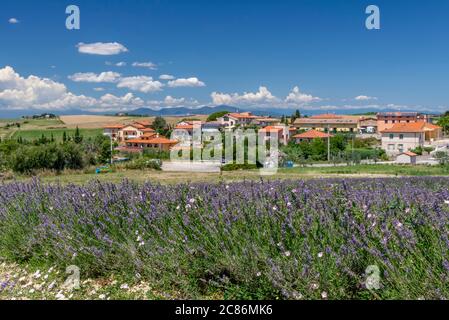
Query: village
[[404, 137]]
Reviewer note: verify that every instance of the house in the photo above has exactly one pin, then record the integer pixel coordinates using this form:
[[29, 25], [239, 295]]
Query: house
[[231, 120], [149, 141], [113, 131], [403, 137], [406, 158], [328, 122], [311, 135], [386, 120], [122, 132], [368, 124], [280, 132], [265, 121]]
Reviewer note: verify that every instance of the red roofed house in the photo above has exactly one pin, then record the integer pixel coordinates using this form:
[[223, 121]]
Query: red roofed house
[[149, 141], [113, 130], [310, 135], [230, 120], [403, 137]]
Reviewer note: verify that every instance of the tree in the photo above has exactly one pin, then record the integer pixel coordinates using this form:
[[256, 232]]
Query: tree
[[214, 116], [295, 116], [78, 137], [64, 137], [159, 124], [444, 122]]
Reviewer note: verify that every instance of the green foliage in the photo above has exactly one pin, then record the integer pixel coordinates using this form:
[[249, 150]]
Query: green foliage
[[234, 167], [418, 150], [444, 122], [143, 163], [159, 124], [214, 116]]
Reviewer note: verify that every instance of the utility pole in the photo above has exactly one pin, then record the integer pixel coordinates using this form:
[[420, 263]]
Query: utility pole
[[328, 144]]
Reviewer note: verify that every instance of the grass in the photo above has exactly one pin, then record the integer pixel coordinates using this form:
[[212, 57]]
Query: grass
[[142, 176], [57, 133]]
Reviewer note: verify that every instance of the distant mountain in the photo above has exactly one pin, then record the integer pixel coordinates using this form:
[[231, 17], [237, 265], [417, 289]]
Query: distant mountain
[[181, 111]]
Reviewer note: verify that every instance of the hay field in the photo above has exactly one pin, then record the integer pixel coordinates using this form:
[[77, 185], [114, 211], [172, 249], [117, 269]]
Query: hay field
[[95, 122]]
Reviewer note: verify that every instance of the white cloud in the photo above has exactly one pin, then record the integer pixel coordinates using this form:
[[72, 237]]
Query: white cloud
[[140, 83], [13, 20], [296, 97], [120, 64], [149, 65], [98, 89], [19, 93], [170, 101], [182, 82], [364, 98], [100, 48], [108, 76], [166, 77], [262, 97]]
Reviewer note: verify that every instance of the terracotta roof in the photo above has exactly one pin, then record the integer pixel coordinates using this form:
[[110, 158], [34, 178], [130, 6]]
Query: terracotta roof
[[271, 129], [406, 127], [148, 130], [326, 116], [409, 153], [144, 122], [243, 115], [330, 121], [137, 126], [156, 140], [114, 126], [312, 134], [430, 127]]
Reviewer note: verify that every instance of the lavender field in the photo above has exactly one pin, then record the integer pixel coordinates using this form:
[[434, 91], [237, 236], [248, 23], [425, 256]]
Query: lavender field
[[316, 239]]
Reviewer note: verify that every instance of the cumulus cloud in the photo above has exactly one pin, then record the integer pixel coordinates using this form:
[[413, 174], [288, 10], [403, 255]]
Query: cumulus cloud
[[262, 97], [296, 97], [364, 98], [166, 77], [140, 83], [189, 82], [101, 48], [98, 89], [19, 93], [108, 76], [13, 20], [149, 65]]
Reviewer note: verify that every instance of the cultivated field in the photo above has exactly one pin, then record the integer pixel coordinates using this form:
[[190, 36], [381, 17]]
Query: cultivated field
[[89, 122]]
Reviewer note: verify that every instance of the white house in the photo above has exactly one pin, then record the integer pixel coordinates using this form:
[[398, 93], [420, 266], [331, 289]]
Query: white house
[[403, 137], [230, 120], [406, 158]]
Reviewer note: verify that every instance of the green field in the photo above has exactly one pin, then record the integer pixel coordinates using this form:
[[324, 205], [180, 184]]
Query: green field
[[57, 133], [162, 177]]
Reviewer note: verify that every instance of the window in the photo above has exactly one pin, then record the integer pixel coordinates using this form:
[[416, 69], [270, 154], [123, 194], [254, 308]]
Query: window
[[386, 121], [391, 136], [401, 147], [401, 136], [391, 147]]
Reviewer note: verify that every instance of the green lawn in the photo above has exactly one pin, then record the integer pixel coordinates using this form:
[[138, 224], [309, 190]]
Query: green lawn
[[388, 169], [57, 133]]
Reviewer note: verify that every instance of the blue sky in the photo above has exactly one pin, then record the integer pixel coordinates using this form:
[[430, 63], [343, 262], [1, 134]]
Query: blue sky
[[312, 55]]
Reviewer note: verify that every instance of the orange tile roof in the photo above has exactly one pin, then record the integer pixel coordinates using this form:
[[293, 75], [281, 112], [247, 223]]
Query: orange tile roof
[[114, 126], [409, 153], [406, 127], [431, 127], [326, 116], [156, 140], [243, 115], [146, 130], [144, 123], [312, 134], [271, 129]]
